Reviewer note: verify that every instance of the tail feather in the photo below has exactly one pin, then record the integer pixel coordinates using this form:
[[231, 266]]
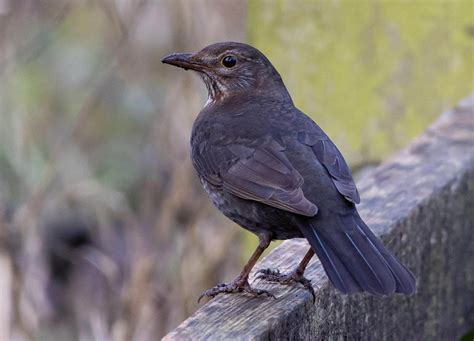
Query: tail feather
[[370, 264], [338, 274], [406, 282], [355, 260]]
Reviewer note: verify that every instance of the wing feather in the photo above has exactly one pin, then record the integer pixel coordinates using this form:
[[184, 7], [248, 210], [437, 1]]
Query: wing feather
[[331, 158], [266, 175]]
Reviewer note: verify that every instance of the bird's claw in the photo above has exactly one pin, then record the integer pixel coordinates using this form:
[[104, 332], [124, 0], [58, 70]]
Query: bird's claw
[[293, 277], [269, 275], [234, 287]]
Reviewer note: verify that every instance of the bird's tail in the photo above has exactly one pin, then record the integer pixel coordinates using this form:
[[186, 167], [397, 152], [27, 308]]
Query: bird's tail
[[355, 259]]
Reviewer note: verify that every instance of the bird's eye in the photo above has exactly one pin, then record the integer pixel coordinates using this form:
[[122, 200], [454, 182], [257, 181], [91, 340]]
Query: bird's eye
[[229, 61]]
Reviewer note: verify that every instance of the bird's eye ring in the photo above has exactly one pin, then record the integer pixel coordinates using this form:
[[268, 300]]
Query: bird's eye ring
[[229, 61]]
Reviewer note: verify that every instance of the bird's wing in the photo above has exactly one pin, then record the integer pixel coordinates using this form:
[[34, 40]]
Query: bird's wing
[[263, 173], [331, 158]]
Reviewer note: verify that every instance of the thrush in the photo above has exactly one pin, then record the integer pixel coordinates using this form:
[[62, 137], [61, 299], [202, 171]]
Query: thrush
[[271, 169]]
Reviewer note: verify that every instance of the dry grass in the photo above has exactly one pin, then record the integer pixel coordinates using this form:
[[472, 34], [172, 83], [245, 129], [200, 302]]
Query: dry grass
[[104, 232]]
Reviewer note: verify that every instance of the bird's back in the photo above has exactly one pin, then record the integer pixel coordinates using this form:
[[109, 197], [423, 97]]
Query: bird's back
[[253, 121]]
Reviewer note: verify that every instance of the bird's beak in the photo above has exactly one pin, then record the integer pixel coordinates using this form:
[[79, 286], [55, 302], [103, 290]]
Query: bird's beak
[[183, 60]]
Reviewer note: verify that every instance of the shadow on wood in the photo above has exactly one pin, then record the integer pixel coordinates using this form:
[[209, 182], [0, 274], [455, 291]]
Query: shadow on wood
[[421, 203]]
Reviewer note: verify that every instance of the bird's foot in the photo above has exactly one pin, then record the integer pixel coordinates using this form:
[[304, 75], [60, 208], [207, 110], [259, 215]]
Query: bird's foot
[[293, 277], [235, 286]]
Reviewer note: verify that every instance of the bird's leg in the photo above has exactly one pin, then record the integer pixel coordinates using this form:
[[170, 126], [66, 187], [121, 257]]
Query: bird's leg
[[240, 283], [294, 276]]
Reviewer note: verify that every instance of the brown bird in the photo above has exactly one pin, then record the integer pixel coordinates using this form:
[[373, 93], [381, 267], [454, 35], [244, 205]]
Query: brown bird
[[272, 170]]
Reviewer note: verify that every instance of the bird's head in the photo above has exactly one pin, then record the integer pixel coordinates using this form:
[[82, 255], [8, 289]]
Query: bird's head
[[230, 69]]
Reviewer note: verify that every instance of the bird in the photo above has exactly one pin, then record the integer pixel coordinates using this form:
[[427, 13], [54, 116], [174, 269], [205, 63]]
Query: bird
[[271, 169]]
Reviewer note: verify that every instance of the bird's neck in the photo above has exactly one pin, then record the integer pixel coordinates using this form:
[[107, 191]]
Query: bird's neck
[[267, 88]]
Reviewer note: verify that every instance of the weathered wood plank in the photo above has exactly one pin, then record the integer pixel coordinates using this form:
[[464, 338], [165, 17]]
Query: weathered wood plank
[[421, 203]]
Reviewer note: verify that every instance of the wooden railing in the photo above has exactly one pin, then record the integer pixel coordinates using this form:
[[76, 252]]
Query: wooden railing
[[421, 203]]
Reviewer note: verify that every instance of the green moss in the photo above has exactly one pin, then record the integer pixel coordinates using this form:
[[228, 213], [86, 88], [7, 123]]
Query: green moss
[[372, 74]]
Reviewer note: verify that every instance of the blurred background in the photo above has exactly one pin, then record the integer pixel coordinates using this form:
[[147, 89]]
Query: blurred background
[[105, 232]]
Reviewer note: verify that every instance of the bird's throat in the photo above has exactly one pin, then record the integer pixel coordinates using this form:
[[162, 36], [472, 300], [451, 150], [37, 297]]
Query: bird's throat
[[216, 91]]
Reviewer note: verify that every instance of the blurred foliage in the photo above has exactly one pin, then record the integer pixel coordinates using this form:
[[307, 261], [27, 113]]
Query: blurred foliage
[[105, 232], [47, 84], [373, 74]]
